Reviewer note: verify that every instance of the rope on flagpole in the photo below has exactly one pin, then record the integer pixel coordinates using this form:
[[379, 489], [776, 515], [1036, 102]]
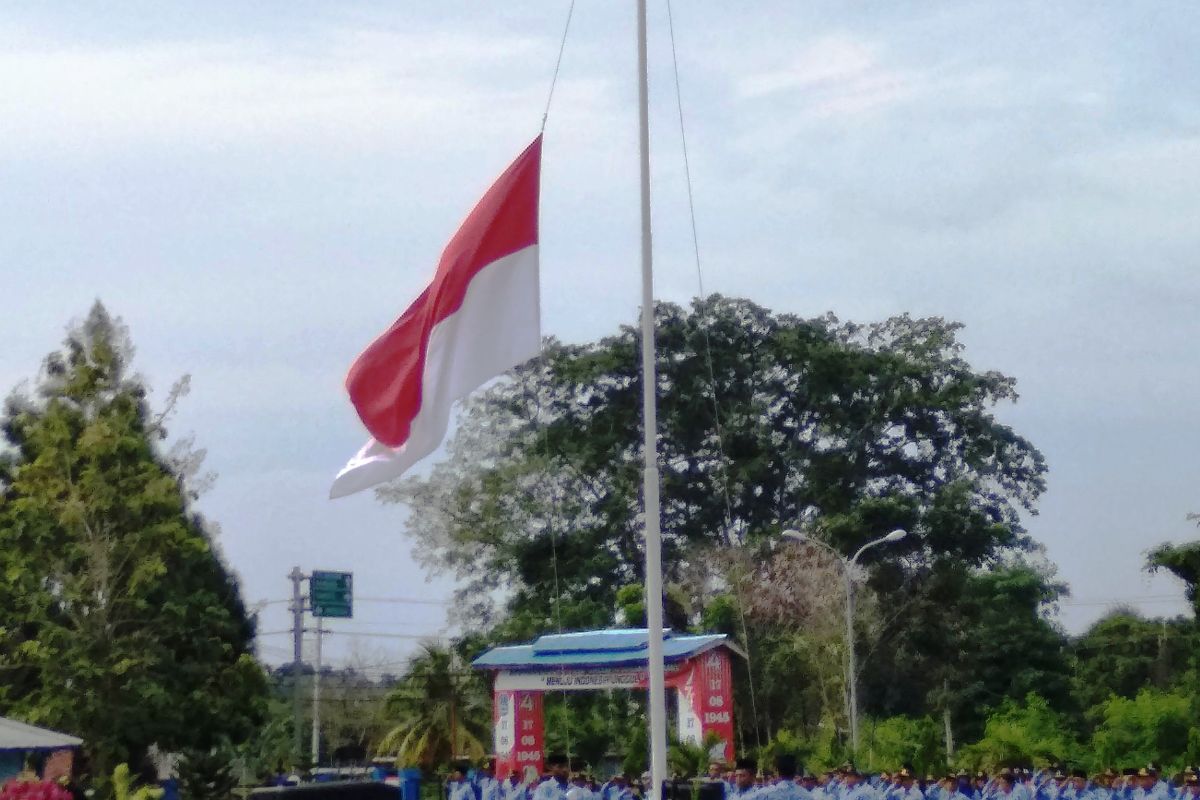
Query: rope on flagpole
[[712, 376], [558, 64]]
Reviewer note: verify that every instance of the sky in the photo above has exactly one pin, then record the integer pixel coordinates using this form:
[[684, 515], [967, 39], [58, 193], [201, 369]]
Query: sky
[[259, 189]]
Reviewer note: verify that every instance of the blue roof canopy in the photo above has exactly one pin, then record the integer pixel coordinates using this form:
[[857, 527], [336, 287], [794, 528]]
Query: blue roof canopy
[[621, 647]]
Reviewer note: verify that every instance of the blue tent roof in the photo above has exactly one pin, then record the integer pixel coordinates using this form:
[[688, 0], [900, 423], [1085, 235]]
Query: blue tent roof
[[608, 648]]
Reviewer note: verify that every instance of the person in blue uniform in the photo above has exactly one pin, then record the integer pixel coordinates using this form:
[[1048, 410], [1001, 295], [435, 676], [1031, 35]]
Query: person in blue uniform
[[457, 785], [555, 786], [513, 788], [616, 788], [907, 785], [486, 785], [955, 787], [787, 788], [744, 780], [854, 787]]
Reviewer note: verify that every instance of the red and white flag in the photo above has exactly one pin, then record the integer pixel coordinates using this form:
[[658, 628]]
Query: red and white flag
[[477, 318]]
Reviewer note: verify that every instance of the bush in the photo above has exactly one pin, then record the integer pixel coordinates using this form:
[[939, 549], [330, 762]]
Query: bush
[[1153, 726], [896, 741], [1022, 734]]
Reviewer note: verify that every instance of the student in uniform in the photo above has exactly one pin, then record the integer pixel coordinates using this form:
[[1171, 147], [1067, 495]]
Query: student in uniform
[[787, 788], [952, 787], [617, 788], [457, 786], [1078, 787], [908, 789], [514, 788], [743, 780], [853, 787], [486, 785], [555, 786]]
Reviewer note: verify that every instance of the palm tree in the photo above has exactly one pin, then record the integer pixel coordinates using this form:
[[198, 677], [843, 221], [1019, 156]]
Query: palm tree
[[441, 708]]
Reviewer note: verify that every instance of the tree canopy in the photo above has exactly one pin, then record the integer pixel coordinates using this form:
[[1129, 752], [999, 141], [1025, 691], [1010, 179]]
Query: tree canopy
[[120, 621], [767, 421]]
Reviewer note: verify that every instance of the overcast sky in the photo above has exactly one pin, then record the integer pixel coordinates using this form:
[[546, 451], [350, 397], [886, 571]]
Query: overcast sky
[[259, 189]]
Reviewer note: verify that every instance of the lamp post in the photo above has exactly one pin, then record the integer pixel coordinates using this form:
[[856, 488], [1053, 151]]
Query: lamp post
[[847, 564]]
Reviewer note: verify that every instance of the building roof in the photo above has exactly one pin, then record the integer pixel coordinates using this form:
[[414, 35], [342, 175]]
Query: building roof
[[22, 736], [607, 648]]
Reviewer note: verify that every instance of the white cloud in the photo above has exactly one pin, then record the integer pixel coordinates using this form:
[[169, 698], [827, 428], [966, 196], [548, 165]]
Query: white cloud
[[834, 76], [357, 87]]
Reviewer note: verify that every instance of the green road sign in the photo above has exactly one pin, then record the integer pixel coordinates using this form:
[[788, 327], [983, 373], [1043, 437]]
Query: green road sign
[[331, 594]]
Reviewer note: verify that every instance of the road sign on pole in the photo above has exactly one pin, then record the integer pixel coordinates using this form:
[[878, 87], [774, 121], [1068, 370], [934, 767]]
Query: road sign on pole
[[331, 594]]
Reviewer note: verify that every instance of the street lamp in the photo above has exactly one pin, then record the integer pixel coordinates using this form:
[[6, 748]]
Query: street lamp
[[847, 564]]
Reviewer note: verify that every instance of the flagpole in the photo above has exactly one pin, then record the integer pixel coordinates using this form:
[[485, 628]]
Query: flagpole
[[650, 479]]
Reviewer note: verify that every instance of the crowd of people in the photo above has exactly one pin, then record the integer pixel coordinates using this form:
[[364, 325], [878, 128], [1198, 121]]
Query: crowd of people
[[788, 782]]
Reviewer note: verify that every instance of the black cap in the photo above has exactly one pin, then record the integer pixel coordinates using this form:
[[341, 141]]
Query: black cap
[[747, 763], [1078, 773], [785, 765], [556, 760]]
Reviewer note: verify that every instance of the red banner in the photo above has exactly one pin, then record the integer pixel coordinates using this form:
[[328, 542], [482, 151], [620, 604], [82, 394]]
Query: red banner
[[517, 720]]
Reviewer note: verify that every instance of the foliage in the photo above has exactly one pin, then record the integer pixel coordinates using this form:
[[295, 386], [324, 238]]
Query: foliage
[[895, 741], [1001, 609], [689, 759], [1182, 561], [122, 785], [1152, 726], [208, 774], [1123, 653], [1020, 734], [765, 419], [119, 621], [441, 710], [274, 746], [868, 427]]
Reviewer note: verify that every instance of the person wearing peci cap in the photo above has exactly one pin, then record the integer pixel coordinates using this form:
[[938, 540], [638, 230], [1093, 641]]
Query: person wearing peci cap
[[855, 787], [907, 783]]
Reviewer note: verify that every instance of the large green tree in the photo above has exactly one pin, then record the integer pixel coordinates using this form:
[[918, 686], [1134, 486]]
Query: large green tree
[[120, 621], [766, 420], [1123, 653]]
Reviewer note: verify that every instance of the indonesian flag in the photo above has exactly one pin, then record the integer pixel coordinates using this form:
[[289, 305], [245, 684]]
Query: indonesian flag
[[477, 318]]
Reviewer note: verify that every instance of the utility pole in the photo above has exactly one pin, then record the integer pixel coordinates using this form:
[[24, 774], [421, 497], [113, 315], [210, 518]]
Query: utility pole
[[316, 703], [297, 578]]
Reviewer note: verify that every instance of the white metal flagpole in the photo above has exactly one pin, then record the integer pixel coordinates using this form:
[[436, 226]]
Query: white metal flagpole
[[654, 606]]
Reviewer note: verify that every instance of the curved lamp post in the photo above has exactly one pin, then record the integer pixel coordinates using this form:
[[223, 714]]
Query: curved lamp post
[[847, 564]]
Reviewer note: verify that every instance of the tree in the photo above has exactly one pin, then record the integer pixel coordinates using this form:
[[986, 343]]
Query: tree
[[1152, 726], [1123, 653], [1022, 733], [1182, 561], [765, 420], [208, 774], [121, 622], [997, 609], [441, 710]]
